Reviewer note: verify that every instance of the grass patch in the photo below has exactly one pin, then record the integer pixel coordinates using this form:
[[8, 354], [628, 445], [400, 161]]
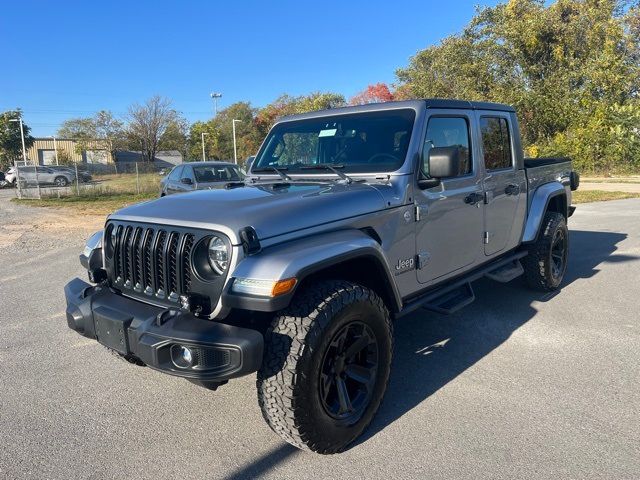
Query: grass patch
[[585, 196], [126, 182], [98, 203]]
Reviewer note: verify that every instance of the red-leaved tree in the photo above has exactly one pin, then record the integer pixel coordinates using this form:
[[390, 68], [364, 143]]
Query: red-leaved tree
[[375, 93]]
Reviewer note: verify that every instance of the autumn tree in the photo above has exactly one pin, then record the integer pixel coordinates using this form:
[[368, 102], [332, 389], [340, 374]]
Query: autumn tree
[[374, 93], [289, 105], [571, 69]]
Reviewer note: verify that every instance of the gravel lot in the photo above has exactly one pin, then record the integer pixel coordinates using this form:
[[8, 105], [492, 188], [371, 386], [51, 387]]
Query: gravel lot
[[517, 385]]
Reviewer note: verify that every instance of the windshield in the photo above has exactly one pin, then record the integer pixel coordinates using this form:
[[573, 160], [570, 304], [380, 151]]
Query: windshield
[[217, 173], [358, 142]]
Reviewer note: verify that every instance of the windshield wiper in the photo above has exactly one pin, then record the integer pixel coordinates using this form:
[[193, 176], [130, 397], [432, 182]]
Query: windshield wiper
[[279, 171], [326, 166]]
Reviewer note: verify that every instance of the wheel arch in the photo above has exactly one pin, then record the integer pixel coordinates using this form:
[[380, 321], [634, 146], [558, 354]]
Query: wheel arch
[[344, 255], [550, 197]]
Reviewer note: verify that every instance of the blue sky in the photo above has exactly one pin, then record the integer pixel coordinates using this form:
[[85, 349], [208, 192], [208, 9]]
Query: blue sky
[[69, 59]]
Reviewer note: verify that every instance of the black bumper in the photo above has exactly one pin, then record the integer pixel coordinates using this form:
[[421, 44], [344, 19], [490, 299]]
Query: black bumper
[[151, 334]]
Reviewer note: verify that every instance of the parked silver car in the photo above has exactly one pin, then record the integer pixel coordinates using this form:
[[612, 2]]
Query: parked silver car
[[200, 176], [45, 176]]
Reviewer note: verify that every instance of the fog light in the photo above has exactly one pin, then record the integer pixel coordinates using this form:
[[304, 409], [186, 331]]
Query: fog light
[[181, 356]]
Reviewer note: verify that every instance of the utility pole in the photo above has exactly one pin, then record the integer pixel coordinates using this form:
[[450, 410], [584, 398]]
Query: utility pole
[[215, 96], [235, 151], [203, 155]]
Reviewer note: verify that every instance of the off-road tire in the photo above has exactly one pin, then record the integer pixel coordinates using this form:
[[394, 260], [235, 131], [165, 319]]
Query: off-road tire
[[296, 346], [538, 264]]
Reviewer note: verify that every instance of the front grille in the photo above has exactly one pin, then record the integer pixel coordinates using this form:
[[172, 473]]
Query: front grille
[[153, 261]]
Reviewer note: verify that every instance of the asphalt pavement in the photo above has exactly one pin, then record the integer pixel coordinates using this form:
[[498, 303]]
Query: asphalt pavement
[[517, 385]]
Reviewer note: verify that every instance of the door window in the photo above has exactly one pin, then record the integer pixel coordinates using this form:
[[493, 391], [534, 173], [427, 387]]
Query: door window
[[447, 132], [174, 176], [496, 144]]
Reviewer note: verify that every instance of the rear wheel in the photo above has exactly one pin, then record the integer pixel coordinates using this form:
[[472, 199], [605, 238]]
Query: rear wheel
[[326, 366], [60, 182], [546, 263]]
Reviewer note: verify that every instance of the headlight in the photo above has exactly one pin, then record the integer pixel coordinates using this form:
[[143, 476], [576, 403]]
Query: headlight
[[218, 255]]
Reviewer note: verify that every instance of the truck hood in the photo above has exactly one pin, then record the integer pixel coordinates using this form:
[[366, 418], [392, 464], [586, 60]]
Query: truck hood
[[271, 209]]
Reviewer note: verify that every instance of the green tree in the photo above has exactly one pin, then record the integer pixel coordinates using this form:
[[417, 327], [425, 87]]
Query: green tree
[[570, 68], [10, 138], [101, 132]]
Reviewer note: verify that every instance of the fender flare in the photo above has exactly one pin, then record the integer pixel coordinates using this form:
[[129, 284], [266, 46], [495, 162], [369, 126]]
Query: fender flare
[[539, 204], [301, 258]]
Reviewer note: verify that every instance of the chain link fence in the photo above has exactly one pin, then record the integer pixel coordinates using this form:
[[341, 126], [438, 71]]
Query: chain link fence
[[81, 179]]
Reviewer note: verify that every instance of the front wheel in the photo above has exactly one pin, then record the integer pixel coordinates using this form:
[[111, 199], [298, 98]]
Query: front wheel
[[546, 263], [326, 366]]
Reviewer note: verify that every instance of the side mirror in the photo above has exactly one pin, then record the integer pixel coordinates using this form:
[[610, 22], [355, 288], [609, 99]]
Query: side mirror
[[443, 162], [186, 181]]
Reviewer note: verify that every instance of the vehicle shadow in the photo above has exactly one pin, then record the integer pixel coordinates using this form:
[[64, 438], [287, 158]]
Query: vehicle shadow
[[432, 349]]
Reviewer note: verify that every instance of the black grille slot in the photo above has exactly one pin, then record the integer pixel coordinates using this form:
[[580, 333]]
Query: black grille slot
[[126, 255], [172, 263], [160, 263], [186, 262], [117, 264], [136, 254], [147, 254]]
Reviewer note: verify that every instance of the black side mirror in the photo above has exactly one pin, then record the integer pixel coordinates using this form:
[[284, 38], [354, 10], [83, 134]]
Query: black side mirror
[[444, 162], [186, 181]]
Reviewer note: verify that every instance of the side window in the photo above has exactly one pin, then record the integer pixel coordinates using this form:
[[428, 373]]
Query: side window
[[187, 172], [447, 132], [174, 176], [496, 144]]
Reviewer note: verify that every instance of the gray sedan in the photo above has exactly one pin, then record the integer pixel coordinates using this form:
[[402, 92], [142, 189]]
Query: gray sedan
[[200, 176]]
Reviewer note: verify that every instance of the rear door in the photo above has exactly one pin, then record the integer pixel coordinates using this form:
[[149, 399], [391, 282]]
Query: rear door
[[504, 184], [449, 229]]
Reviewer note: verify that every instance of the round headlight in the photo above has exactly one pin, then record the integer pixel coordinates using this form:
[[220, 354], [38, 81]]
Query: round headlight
[[218, 255]]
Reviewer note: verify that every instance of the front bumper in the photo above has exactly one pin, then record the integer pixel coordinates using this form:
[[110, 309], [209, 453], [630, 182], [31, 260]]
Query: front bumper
[[148, 333]]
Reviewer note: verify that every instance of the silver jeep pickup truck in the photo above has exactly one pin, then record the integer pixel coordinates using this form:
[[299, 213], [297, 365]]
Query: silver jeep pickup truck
[[348, 220]]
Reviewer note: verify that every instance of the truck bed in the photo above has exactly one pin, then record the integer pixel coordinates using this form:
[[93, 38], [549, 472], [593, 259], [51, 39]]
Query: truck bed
[[542, 161]]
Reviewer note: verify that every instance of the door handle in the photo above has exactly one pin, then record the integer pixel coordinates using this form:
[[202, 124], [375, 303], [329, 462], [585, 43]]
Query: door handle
[[473, 198], [512, 189]]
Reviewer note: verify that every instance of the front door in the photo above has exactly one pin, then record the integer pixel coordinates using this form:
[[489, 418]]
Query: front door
[[503, 183], [450, 225]]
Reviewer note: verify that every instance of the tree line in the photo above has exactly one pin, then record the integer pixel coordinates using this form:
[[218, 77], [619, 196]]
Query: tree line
[[571, 69]]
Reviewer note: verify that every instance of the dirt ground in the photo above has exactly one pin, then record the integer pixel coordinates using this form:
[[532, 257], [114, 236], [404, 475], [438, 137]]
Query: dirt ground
[[29, 229]]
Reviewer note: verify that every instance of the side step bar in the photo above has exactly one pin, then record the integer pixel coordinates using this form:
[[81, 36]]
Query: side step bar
[[458, 292], [452, 301], [507, 272]]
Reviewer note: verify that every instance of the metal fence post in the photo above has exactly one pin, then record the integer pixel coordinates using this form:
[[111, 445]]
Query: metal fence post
[[18, 179], [35, 170], [77, 181]]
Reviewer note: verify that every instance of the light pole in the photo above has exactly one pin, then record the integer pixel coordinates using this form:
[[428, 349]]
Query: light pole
[[24, 158], [203, 156], [55, 148], [235, 151], [215, 96]]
